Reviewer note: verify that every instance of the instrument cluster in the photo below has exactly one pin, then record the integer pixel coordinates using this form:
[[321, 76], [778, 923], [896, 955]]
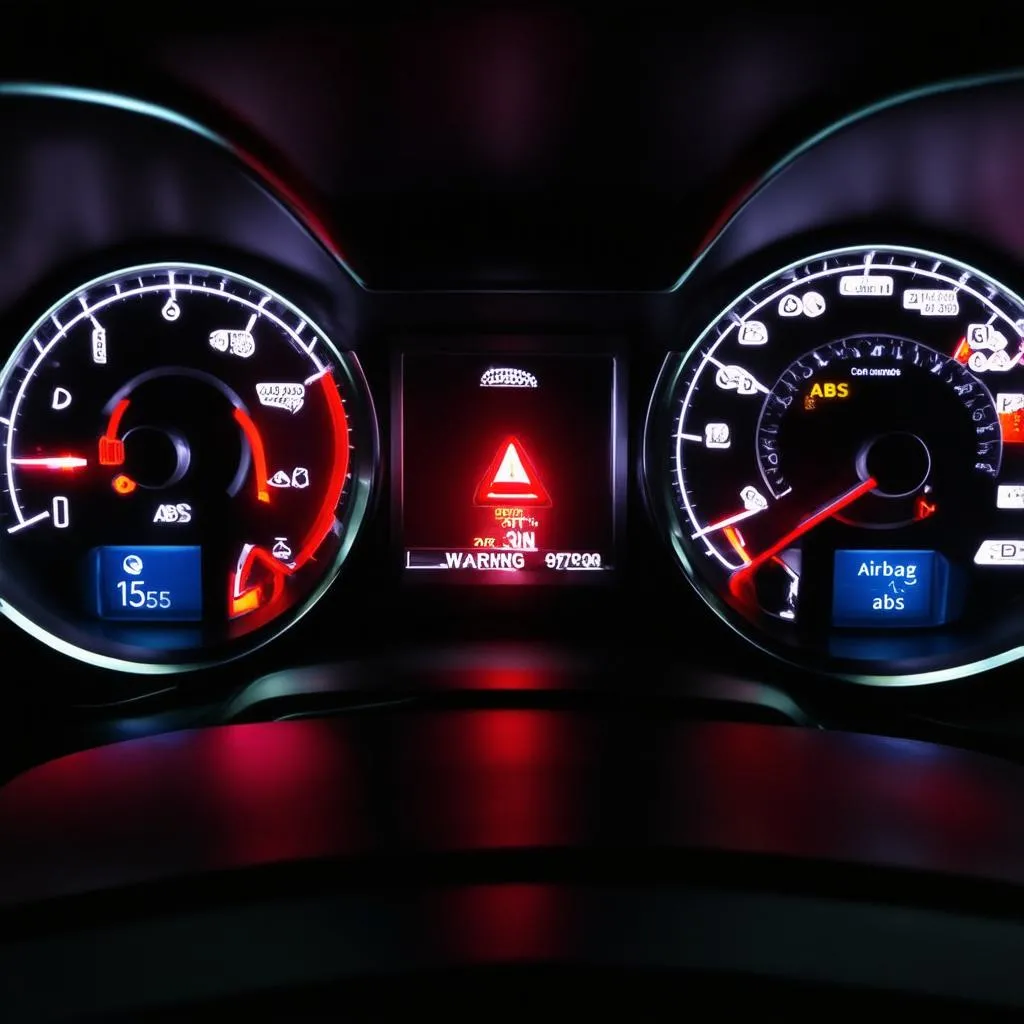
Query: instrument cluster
[[209, 422]]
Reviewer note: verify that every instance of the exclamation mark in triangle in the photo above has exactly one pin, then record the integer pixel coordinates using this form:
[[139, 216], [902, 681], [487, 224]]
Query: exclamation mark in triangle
[[511, 477]]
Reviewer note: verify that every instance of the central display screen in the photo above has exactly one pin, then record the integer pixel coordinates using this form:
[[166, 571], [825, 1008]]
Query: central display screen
[[508, 466]]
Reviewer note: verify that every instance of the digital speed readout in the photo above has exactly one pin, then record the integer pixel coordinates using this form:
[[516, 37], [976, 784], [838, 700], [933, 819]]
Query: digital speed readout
[[508, 467]]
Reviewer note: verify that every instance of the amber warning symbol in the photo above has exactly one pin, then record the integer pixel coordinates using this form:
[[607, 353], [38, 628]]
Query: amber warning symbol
[[511, 477]]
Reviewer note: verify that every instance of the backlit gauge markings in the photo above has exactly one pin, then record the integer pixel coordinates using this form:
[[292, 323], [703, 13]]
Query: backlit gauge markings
[[986, 349], [893, 378], [834, 374], [865, 279], [187, 461], [734, 378], [238, 343]]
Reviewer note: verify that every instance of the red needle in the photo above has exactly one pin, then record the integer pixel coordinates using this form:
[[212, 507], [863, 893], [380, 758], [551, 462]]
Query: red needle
[[743, 574], [52, 462]]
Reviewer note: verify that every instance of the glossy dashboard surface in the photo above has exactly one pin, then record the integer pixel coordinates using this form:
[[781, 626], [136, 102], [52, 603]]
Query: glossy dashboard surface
[[275, 857]]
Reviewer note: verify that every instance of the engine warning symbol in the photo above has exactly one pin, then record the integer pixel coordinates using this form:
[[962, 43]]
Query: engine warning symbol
[[512, 477]]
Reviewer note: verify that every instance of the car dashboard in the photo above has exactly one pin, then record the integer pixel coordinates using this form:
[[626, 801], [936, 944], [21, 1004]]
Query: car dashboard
[[521, 455]]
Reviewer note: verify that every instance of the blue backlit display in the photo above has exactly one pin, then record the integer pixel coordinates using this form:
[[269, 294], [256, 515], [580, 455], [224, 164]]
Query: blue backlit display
[[890, 588], [148, 583]]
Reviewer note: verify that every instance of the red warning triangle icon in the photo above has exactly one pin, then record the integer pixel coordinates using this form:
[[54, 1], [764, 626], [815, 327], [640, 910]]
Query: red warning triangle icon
[[511, 476]]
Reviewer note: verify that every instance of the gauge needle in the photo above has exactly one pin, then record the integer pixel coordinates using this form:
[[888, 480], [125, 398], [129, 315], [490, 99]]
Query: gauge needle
[[742, 575], [52, 462], [729, 521]]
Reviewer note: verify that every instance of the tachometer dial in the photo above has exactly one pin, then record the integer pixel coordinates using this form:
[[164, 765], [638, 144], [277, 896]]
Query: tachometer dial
[[186, 461], [824, 409], [839, 461]]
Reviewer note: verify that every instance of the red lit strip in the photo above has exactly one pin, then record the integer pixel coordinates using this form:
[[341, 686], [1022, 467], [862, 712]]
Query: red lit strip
[[116, 415], [726, 214], [259, 455], [292, 198], [339, 471]]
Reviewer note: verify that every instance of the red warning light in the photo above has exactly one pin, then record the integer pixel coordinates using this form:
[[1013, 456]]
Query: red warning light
[[512, 477], [123, 484], [111, 451], [1010, 410], [1012, 426]]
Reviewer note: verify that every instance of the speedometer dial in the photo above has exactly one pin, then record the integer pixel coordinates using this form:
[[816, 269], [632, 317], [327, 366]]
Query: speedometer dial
[[839, 461], [186, 461]]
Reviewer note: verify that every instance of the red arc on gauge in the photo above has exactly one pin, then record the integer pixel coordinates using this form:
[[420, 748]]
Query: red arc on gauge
[[259, 455], [259, 578], [744, 575]]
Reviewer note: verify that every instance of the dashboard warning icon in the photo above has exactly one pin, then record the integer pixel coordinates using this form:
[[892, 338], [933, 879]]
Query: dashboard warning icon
[[512, 477]]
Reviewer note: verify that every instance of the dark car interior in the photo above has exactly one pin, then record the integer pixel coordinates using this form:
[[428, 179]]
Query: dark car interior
[[510, 509]]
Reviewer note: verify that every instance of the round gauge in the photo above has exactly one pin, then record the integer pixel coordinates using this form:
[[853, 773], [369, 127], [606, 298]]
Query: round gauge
[[838, 460], [186, 461]]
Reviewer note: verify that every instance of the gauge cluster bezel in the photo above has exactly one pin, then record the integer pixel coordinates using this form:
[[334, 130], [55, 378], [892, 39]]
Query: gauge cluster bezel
[[695, 326], [358, 494]]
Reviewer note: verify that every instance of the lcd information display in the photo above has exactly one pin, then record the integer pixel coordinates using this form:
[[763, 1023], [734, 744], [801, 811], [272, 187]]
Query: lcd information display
[[508, 467], [157, 583]]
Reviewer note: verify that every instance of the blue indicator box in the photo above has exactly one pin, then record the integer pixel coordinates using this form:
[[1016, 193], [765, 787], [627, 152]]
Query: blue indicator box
[[148, 583], [880, 588]]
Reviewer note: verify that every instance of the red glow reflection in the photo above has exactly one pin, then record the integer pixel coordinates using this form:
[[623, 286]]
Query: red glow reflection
[[747, 768], [170, 805], [277, 792], [523, 790], [505, 923], [276, 184]]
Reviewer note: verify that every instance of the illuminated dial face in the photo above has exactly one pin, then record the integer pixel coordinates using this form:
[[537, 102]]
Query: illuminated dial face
[[186, 460], [839, 461]]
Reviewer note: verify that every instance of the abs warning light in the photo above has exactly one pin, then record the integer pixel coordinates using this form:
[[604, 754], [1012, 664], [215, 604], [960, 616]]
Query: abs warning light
[[512, 477]]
